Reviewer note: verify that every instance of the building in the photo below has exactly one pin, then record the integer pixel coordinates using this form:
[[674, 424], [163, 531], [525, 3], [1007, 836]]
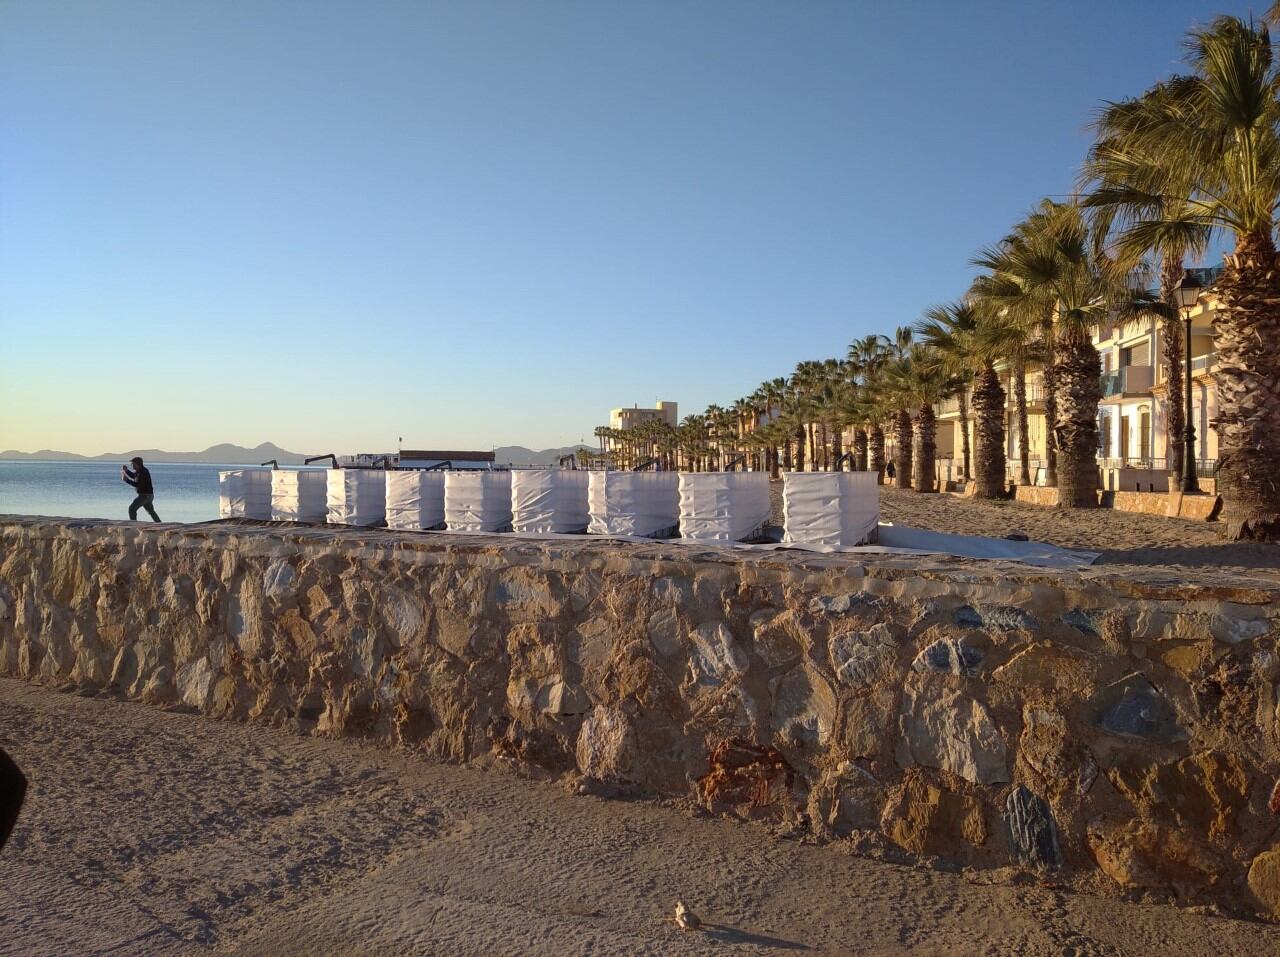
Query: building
[[1132, 414], [623, 419], [627, 451]]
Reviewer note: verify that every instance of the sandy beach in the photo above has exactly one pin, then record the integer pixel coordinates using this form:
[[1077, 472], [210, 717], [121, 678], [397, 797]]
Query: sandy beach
[[156, 833], [1195, 549]]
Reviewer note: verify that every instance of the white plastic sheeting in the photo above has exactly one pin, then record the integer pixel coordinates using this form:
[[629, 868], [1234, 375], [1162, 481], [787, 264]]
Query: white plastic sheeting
[[829, 508], [300, 496], [244, 493], [723, 506], [902, 538], [633, 503], [549, 500], [415, 500], [477, 501], [356, 496]]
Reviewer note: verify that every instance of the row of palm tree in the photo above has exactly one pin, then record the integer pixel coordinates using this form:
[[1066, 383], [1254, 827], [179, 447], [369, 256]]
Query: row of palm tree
[[1193, 159]]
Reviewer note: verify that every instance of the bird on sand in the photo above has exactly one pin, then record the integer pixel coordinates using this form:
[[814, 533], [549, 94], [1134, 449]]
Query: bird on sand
[[685, 918]]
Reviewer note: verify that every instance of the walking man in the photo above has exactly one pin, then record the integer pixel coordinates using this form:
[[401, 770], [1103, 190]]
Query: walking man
[[140, 479]]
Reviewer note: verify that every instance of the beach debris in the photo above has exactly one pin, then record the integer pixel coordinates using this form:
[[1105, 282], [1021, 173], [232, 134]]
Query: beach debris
[[1017, 536], [686, 919]]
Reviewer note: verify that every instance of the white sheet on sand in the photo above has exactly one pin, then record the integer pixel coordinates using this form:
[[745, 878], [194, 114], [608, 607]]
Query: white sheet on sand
[[900, 538], [893, 540]]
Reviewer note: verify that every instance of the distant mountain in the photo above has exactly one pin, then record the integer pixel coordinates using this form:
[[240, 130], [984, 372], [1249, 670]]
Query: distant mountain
[[519, 455], [225, 453]]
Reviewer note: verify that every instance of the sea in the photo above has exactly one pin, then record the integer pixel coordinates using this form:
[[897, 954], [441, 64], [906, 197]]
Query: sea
[[185, 491]]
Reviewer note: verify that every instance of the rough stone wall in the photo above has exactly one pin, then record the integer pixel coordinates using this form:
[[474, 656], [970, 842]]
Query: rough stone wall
[[1120, 732]]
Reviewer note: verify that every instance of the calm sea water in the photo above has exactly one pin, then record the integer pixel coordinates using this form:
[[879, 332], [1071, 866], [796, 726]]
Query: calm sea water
[[184, 492]]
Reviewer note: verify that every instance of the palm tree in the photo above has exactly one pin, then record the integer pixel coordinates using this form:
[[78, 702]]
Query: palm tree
[[1014, 320], [1033, 307], [867, 357], [967, 343], [897, 350], [1218, 129], [1139, 224], [921, 378], [949, 330], [1053, 255]]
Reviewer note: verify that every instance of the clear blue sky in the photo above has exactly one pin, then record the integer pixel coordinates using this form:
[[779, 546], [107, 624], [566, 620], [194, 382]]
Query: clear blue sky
[[329, 224]]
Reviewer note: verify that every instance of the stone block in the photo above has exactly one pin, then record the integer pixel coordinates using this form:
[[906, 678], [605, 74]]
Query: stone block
[[950, 656], [953, 732], [606, 748], [1032, 832], [925, 818], [1264, 881], [1133, 708], [804, 708], [863, 658]]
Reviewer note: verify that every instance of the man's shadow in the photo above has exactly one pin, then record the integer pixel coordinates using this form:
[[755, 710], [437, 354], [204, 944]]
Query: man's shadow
[[731, 935]]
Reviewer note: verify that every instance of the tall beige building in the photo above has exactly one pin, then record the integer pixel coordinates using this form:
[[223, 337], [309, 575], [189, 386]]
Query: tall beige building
[[623, 419]]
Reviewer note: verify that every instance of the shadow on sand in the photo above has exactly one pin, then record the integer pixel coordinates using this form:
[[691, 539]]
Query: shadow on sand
[[731, 935], [1234, 554]]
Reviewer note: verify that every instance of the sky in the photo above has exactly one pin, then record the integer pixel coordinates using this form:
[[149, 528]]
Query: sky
[[330, 225]]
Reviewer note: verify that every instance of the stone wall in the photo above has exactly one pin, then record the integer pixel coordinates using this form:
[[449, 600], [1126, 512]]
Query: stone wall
[[1119, 730], [1200, 508]]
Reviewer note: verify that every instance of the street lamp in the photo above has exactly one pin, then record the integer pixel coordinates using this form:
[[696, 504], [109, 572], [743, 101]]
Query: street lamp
[[1188, 293]]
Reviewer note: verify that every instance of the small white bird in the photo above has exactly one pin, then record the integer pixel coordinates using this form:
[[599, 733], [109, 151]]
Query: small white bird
[[685, 918]]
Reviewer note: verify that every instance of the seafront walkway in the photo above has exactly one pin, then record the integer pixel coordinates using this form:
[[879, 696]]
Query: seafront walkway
[[157, 833]]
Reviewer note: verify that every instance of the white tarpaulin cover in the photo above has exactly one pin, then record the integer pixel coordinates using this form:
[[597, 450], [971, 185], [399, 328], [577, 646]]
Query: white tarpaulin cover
[[900, 537], [300, 496], [244, 493], [723, 506], [549, 500], [633, 503], [356, 496], [829, 508], [415, 500], [477, 501]]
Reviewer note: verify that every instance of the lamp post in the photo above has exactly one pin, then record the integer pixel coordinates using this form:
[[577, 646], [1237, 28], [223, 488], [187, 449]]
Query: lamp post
[[1188, 292]]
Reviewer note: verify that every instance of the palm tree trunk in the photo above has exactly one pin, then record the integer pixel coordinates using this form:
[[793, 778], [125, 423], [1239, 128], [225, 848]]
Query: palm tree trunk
[[1020, 412], [1050, 408], [926, 449], [966, 475], [1247, 335], [837, 443], [786, 453], [877, 452], [902, 449], [989, 458], [800, 447], [1172, 334], [1079, 371], [860, 449]]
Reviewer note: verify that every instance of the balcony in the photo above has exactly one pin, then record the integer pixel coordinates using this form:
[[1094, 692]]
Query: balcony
[[1127, 381], [949, 406], [1202, 364]]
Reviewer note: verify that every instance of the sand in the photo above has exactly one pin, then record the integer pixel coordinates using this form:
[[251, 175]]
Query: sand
[[152, 832], [1192, 549]]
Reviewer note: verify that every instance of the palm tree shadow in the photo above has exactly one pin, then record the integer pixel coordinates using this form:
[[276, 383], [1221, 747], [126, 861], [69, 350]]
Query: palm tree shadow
[[732, 935]]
